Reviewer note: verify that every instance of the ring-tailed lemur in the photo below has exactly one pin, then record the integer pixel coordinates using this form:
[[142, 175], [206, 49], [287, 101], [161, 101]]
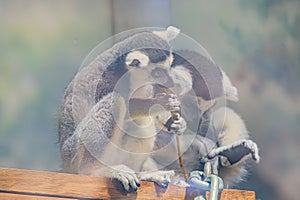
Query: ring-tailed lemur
[[99, 130], [221, 132]]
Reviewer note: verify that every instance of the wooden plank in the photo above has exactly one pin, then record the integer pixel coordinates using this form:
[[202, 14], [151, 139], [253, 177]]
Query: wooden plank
[[47, 185], [236, 195], [12, 196], [149, 190], [78, 186], [63, 185]]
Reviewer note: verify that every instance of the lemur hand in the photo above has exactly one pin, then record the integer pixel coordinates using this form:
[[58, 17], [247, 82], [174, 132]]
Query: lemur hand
[[168, 101], [176, 124]]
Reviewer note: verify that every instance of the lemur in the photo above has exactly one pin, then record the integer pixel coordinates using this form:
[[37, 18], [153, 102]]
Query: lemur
[[220, 131], [105, 128]]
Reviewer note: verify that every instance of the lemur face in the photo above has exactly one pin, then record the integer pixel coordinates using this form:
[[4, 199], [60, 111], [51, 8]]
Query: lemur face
[[148, 67]]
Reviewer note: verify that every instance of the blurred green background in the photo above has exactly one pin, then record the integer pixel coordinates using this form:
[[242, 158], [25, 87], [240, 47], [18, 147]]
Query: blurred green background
[[42, 44]]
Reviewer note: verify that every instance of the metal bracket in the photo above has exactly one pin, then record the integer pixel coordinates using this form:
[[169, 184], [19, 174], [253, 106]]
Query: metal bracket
[[206, 181]]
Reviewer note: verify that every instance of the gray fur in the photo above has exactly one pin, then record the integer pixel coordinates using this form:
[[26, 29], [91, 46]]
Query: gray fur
[[86, 118], [193, 148], [91, 132], [90, 141], [80, 94], [207, 76]]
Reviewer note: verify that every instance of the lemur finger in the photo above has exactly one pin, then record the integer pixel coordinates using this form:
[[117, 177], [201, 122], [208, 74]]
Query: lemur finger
[[178, 128], [160, 95], [169, 101], [136, 180], [163, 178], [174, 101], [176, 118], [252, 146], [133, 184], [132, 180], [124, 182], [179, 120], [174, 105]]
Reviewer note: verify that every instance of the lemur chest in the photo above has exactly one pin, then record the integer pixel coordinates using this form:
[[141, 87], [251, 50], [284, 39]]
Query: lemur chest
[[138, 146], [141, 128], [139, 135]]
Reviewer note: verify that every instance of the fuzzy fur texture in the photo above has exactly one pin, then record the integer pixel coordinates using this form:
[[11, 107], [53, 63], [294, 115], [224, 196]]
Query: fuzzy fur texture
[[94, 118], [86, 120], [230, 150], [233, 132], [221, 129], [95, 81]]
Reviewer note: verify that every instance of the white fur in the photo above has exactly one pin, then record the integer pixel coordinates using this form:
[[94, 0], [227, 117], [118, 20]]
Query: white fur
[[168, 35], [232, 132], [144, 59], [230, 91], [182, 78], [229, 125]]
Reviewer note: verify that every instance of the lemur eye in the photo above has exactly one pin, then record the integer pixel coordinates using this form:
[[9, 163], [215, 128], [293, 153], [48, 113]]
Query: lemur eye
[[136, 59], [135, 63]]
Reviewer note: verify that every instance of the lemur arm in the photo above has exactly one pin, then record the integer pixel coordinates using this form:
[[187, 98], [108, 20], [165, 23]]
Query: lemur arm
[[88, 150], [145, 107], [93, 131], [235, 147], [140, 107]]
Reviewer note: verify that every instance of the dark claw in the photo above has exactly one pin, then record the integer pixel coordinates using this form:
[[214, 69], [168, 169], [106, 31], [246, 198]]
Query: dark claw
[[135, 189], [161, 184], [164, 184], [168, 123], [127, 190]]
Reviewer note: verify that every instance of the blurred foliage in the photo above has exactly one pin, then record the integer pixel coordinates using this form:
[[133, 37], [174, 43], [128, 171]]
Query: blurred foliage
[[42, 44]]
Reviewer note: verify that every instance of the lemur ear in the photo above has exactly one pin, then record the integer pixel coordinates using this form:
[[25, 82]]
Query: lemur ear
[[231, 92], [168, 35]]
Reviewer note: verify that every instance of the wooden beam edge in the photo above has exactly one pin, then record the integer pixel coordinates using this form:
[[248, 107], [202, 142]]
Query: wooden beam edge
[[61, 185]]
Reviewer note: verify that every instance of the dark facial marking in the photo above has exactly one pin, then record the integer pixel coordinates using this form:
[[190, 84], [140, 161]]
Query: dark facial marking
[[135, 63], [156, 55]]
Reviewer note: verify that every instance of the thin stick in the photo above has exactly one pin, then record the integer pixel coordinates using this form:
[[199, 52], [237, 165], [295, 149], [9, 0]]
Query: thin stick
[[167, 91], [180, 159]]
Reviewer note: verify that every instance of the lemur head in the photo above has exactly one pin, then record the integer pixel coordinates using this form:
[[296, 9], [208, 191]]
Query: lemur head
[[145, 68], [193, 72], [142, 49], [136, 51]]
